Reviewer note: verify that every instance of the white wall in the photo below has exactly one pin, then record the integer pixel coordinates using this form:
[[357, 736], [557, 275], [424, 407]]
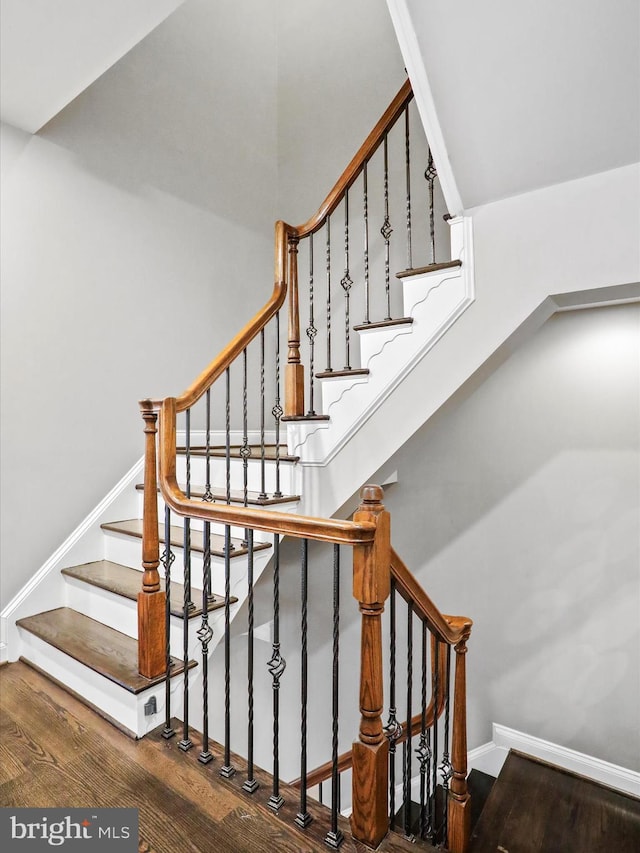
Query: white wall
[[521, 509], [122, 224]]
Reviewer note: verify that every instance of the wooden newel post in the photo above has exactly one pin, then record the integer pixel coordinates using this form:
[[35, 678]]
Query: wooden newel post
[[152, 658], [371, 581], [294, 373], [459, 814]]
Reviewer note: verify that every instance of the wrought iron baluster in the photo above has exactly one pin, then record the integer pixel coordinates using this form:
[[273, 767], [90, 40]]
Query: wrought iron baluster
[[204, 635], [406, 746], [227, 454], [276, 667], [187, 605], [365, 205], [386, 230], [250, 784], [167, 560], [277, 410], [334, 837], [423, 751], [208, 496], [311, 332], [303, 818], [446, 769], [245, 450], [436, 705], [263, 493], [328, 368], [347, 284], [393, 729], [430, 175], [407, 160], [227, 770]]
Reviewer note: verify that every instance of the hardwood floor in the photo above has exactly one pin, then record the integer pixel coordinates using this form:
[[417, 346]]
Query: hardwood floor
[[54, 751], [536, 808]]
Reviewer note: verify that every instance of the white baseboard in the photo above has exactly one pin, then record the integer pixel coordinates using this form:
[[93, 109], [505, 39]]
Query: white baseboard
[[491, 756]]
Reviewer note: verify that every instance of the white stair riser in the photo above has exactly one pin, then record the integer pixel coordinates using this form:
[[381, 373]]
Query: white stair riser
[[288, 478]]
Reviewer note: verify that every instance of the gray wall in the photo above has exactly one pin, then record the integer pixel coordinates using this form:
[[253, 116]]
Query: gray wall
[[521, 509]]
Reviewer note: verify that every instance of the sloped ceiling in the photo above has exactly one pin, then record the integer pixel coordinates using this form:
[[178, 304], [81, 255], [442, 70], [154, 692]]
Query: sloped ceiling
[[530, 94], [51, 50]]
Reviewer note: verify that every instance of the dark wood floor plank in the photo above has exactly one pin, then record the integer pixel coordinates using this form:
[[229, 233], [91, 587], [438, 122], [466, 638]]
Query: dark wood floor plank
[[537, 808]]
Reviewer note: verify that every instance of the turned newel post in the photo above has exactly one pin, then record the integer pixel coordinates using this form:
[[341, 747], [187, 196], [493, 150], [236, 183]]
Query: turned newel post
[[459, 815], [371, 581], [294, 374], [151, 601]]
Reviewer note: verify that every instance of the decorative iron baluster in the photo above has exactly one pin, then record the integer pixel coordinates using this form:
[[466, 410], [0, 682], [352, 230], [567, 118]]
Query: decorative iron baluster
[[227, 454], [328, 368], [386, 230], [250, 784], [423, 751], [407, 161], [303, 818], [245, 450], [208, 496], [311, 332], [276, 667], [436, 705], [446, 769], [320, 793], [430, 175], [277, 410], [227, 770], [204, 635], [347, 284], [263, 493], [334, 837], [406, 746], [393, 729], [365, 205], [187, 605], [167, 560]]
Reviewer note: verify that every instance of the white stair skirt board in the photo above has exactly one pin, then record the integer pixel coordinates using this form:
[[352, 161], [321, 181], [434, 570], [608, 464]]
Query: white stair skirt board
[[490, 757], [435, 301]]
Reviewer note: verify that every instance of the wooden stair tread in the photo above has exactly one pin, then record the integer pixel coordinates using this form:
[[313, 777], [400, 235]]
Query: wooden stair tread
[[133, 527], [383, 324], [219, 452], [445, 265], [103, 649], [335, 374], [236, 496], [534, 806], [127, 582]]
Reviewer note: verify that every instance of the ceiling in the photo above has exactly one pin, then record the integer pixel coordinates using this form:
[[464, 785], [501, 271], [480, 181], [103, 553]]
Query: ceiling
[[51, 51]]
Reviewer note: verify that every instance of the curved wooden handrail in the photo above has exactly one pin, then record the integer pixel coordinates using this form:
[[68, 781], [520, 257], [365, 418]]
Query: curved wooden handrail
[[364, 153], [449, 629], [216, 368], [301, 526]]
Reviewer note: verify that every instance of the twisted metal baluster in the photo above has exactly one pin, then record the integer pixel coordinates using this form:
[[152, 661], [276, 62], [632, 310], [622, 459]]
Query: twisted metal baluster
[[276, 667], [407, 160], [393, 729], [365, 205], [187, 605], [263, 493], [277, 410], [245, 450], [386, 230], [208, 496], [250, 784], [406, 746], [446, 770], [434, 769], [423, 752], [334, 837], [167, 560], [303, 818], [311, 332], [347, 284], [204, 635], [228, 544], [430, 175], [328, 368], [227, 770]]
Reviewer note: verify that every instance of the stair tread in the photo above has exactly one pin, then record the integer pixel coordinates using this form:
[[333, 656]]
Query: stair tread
[[103, 649], [445, 265], [220, 451], [133, 527], [335, 374], [127, 582], [236, 496], [383, 324]]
